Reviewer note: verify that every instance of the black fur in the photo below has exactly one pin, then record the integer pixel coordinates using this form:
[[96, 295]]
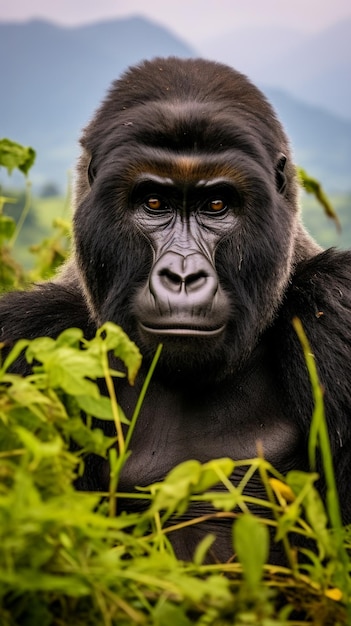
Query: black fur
[[165, 128]]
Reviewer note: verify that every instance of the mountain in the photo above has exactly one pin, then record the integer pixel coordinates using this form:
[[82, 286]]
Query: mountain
[[319, 69], [54, 77], [314, 68]]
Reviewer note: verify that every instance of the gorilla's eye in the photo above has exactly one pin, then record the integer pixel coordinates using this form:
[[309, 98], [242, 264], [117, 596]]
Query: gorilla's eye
[[155, 204], [216, 205]]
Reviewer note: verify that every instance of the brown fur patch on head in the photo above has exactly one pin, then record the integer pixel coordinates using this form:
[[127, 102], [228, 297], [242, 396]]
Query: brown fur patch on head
[[187, 169]]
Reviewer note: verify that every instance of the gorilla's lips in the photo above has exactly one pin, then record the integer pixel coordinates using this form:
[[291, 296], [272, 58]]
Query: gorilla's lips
[[182, 330]]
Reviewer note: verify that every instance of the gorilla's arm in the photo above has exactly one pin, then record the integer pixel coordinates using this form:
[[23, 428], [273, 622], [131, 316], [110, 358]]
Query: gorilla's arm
[[320, 295], [45, 311]]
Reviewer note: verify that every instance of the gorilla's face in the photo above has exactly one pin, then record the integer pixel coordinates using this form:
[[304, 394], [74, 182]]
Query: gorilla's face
[[185, 229]]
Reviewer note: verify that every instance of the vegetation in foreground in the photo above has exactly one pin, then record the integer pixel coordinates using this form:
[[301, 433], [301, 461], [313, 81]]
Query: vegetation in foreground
[[67, 558]]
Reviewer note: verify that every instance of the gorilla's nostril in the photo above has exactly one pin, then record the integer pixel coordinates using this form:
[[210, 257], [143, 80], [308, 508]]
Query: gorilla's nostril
[[170, 280], [195, 281], [175, 282]]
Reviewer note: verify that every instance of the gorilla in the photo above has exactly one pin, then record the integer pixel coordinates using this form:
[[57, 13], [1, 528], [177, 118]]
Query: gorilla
[[187, 232]]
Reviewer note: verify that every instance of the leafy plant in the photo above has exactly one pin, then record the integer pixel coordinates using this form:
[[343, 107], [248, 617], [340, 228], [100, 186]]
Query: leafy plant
[[67, 558], [13, 155], [51, 252]]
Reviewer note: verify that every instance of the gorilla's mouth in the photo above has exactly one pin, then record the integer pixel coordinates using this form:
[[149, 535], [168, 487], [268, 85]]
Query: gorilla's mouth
[[182, 330]]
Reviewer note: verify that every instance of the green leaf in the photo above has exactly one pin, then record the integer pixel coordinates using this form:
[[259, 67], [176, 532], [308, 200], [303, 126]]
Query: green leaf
[[251, 543], [38, 448], [287, 520], [14, 155], [66, 367], [174, 492], [7, 227], [313, 186], [123, 348], [17, 349], [24, 392], [70, 337], [38, 348], [100, 407], [202, 548], [212, 472], [166, 614], [90, 440], [224, 500], [303, 483]]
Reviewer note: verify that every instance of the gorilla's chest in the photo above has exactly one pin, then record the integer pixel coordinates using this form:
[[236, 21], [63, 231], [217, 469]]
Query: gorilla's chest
[[178, 423], [205, 423]]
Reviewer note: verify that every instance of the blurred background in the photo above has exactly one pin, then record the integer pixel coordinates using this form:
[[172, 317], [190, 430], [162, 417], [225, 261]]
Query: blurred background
[[58, 59]]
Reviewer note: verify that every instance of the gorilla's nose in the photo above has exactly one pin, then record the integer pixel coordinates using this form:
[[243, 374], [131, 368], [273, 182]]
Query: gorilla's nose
[[188, 278]]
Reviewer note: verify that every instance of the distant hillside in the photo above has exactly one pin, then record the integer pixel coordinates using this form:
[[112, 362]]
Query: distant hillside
[[318, 70], [314, 68], [54, 77]]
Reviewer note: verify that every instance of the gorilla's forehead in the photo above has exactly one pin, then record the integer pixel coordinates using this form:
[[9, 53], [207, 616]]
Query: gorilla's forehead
[[185, 128], [195, 126]]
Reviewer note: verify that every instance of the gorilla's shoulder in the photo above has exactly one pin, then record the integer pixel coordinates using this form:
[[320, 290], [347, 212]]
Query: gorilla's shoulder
[[319, 294], [321, 286], [46, 310], [331, 264]]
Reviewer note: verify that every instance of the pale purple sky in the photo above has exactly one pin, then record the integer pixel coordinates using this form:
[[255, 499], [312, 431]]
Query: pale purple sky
[[194, 20]]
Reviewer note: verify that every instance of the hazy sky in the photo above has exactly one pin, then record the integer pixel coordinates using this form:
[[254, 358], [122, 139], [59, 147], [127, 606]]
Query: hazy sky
[[195, 20]]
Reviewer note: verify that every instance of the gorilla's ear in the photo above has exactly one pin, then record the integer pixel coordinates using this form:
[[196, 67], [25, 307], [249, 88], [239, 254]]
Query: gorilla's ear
[[280, 178], [91, 172]]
